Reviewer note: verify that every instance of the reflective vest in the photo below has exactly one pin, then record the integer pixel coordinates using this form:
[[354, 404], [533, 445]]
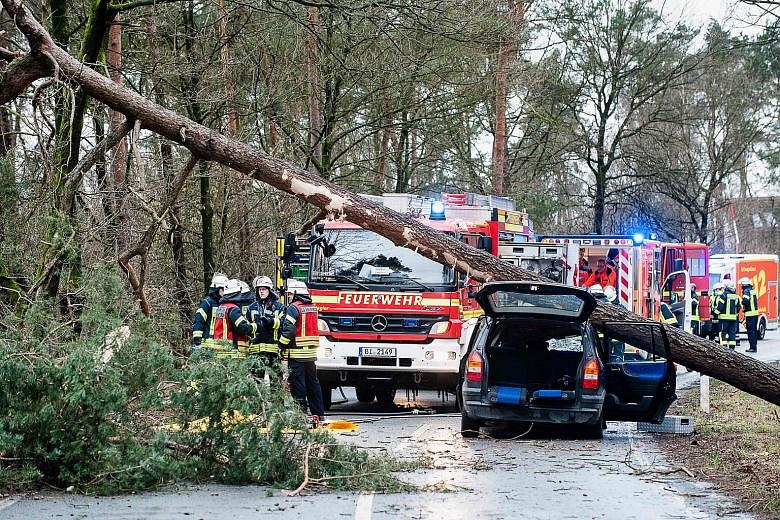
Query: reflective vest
[[694, 309], [714, 301], [226, 341], [749, 303], [729, 306], [307, 337], [667, 316]]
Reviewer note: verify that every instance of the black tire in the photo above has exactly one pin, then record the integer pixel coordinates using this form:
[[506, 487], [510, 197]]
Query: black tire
[[593, 431], [364, 393], [327, 396], [469, 428], [761, 329], [385, 395]]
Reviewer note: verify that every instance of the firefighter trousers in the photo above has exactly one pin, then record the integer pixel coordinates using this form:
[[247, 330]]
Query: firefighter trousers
[[728, 333], [714, 331], [751, 324], [305, 387]]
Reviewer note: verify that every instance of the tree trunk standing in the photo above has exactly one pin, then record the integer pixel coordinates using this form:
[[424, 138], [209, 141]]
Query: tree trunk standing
[[312, 58], [599, 200], [120, 217], [697, 353], [506, 52], [384, 143], [176, 233], [271, 125], [192, 83]]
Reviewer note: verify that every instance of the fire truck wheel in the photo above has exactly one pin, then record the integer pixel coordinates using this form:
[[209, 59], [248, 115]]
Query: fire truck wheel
[[385, 395], [761, 329], [364, 393], [327, 396]]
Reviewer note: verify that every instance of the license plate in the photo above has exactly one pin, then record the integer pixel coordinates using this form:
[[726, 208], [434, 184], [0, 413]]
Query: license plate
[[377, 352]]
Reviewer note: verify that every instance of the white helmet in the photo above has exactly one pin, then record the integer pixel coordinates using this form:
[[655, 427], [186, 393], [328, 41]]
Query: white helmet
[[296, 287], [729, 283], [610, 293], [596, 288], [219, 281], [244, 287], [262, 281], [233, 286], [745, 281], [718, 286]]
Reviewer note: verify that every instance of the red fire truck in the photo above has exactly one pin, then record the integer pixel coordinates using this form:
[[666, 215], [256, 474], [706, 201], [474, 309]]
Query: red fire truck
[[389, 317], [647, 271]]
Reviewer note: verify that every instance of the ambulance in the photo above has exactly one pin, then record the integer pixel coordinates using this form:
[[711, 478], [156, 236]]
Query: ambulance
[[762, 270]]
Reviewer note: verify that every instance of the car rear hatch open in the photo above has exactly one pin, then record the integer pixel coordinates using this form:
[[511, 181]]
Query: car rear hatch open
[[535, 300], [536, 352]]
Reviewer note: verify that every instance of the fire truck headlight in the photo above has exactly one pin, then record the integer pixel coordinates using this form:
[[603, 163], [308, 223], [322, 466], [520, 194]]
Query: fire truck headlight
[[322, 325], [440, 327], [429, 355]]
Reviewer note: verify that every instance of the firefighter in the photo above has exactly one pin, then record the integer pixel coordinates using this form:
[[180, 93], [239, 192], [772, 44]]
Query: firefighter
[[266, 312], [298, 342], [728, 310], [203, 323], [667, 316], [717, 292], [603, 275], [231, 328], [750, 309], [695, 316]]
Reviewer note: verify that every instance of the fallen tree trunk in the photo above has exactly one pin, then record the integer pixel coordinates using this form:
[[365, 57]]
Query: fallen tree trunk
[[741, 371]]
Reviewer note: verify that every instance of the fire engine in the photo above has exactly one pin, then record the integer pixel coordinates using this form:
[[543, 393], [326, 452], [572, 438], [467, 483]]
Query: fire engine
[[388, 317], [762, 270], [647, 271]]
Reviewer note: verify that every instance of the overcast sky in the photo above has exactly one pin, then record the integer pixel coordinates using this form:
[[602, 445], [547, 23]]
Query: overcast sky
[[729, 13]]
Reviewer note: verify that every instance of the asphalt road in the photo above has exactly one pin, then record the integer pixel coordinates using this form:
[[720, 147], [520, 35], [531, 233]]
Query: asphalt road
[[544, 474]]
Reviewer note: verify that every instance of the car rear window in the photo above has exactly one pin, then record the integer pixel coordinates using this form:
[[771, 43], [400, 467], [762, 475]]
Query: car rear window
[[567, 344], [517, 302]]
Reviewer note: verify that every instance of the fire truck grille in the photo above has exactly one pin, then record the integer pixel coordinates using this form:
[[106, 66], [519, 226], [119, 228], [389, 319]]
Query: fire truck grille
[[381, 323], [379, 362]]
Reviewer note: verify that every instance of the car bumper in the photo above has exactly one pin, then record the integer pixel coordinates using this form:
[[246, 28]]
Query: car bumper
[[586, 410]]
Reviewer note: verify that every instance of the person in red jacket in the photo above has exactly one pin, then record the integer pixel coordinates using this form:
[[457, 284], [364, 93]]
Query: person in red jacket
[[604, 275]]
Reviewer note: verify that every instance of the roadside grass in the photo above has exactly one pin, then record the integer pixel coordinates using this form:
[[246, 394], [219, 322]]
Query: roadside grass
[[736, 446]]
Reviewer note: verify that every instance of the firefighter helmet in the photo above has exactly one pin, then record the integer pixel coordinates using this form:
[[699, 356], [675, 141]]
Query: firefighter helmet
[[244, 287], [232, 286], [596, 288], [610, 293], [718, 286], [219, 281], [745, 281], [262, 281], [729, 283], [296, 287]]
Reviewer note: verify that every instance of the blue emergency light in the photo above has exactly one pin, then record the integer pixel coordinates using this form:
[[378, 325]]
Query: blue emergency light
[[639, 238], [437, 211], [345, 322], [411, 323]]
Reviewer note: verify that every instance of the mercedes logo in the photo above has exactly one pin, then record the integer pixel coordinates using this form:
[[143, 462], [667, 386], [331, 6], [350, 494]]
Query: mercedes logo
[[379, 323]]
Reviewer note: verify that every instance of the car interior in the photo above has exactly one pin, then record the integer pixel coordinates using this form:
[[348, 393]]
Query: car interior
[[537, 355]]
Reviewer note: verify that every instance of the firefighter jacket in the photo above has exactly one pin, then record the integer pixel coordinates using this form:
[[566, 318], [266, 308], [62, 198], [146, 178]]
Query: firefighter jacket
[[667, 316], [749, 302], [267, 314], [714, 301], [300, 337], [728, 306], [694, 307], [603, 278], [202, 323], [231, 329]]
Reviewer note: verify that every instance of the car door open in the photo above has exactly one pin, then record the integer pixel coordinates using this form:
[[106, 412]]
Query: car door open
[[639, 377]]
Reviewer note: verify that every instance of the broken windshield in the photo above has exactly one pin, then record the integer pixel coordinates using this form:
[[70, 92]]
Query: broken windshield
[[372, 259]]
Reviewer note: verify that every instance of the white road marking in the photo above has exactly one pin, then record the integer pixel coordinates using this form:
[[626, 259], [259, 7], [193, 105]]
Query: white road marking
[[419, 432], [364, 506], [8, 502]]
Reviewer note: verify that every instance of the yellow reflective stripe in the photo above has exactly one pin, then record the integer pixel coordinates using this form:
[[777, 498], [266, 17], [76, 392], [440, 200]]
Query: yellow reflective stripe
[[284, 341], [307, 342], [197, 333], [325, 298], [203, 313], [290, 319], [241, 319], [669, 321]]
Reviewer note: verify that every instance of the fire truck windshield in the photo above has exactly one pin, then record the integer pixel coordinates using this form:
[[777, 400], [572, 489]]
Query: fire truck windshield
[[365, 257]]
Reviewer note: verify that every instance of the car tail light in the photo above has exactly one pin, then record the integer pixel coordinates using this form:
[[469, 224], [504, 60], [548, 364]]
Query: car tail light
[[474, 368], [590, 375]]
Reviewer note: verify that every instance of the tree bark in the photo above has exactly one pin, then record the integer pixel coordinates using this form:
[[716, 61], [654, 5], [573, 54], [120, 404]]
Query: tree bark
[[315, 117], [699, 354], [119, 186]]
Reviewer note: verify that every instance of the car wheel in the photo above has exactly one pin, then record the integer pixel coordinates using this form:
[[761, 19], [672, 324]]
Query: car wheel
[[327, 396], [593, 431], [761, 329], [385, 395], [364, 393], [469, 428]]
